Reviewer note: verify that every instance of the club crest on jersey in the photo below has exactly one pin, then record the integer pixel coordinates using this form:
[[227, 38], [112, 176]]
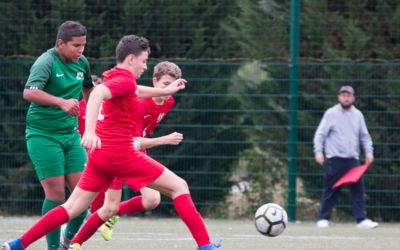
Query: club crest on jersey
[[79, 76]]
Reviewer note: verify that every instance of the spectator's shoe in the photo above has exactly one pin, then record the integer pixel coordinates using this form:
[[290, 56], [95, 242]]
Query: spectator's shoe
[[106, 229], [323, 223], [12, 245], [75, 246], [211, 246], [65, 242], [367, 224]]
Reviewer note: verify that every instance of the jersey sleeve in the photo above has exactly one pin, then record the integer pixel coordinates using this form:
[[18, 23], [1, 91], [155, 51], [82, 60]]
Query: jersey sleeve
[[87, 81], [121, 86], [40, 72]]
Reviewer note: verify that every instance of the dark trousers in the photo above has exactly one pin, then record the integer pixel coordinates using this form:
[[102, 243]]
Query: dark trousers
[[335, 168]]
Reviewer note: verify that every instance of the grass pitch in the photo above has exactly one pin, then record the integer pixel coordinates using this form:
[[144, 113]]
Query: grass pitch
[[170, 234]]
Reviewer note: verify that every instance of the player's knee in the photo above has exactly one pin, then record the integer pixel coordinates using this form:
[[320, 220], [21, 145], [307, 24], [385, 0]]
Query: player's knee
[[182, 185], [109, 210], [151, 201], [55, 195]]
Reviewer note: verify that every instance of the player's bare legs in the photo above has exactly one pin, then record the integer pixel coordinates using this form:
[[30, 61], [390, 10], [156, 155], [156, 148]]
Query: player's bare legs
[[98, 218], [170, 184], [78, 202], [150, 198], [54, 188], [111, 203]]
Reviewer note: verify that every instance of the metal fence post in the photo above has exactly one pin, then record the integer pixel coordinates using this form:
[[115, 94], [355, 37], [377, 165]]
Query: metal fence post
[[293, 67]]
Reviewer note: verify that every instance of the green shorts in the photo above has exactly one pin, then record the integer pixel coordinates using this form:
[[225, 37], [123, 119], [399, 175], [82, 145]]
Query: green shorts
[[56, 155]]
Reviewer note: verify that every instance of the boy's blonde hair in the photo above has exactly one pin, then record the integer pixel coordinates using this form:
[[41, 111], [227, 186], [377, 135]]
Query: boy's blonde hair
[[167, 68]]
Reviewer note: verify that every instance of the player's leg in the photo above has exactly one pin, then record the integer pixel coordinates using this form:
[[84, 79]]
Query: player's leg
[[75, 205], [98, 218], [75, 160], [48, 159], [54, 189], [98, 202], [149, 199], [107, 228], [176, 188]]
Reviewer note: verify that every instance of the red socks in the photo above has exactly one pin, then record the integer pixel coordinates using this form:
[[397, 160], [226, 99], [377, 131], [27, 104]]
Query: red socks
[[98, 202], [88, 229], [191, 217], [131, 206], [50, 221]]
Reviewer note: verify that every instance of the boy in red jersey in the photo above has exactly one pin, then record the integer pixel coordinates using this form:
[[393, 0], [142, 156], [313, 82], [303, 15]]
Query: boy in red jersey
[[113, 156], [151, 111]]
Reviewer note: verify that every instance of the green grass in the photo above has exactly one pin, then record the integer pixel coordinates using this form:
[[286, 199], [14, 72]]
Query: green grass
[[169, 234]]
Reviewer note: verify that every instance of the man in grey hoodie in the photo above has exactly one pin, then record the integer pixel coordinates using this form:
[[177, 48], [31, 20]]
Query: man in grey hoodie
[[338, 136]]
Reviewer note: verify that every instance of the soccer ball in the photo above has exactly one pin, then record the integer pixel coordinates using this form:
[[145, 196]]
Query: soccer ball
[[270, 219]]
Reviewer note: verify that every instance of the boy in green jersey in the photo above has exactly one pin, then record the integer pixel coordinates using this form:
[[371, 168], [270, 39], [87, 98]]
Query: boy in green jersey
[[56, 81]]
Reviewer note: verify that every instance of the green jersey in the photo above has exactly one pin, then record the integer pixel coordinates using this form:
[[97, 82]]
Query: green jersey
[[58, 78]]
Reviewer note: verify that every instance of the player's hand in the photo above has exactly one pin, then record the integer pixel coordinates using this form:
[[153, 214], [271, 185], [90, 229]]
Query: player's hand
[[174, 138], [369, 159], [319, 158], [90, 141], [70, 106], [175, 86]]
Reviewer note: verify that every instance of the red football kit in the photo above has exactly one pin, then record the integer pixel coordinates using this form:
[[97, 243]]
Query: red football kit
[[150, 114], [117, 157]]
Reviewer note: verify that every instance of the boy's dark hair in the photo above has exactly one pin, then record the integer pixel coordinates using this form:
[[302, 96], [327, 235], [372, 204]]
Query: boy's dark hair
[[167, 68], [131, 44], [70, 29]]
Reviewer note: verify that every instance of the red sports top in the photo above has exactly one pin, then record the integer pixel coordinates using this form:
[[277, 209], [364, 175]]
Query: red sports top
[[118, 127], [152, 114]]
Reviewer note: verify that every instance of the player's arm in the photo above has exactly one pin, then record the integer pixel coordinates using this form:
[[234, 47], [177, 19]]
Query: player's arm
[[175, 86], [171, 139], [86, 92], [89, 139], [39, 76], [70, 106]]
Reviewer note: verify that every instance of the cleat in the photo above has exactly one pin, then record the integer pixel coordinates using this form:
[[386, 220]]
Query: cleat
[[75, 246], [106, 229], [64, 243], [211, 246], [12, 245]]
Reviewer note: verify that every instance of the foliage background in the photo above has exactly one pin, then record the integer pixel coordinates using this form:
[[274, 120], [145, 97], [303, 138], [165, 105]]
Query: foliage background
[[234, 112]]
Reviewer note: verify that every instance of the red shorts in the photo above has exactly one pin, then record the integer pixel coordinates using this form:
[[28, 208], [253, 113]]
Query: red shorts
[[116, 184], [133, 167]]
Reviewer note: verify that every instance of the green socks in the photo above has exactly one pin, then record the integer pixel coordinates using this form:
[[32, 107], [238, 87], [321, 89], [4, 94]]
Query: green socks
[[74, 225], [53, 238]]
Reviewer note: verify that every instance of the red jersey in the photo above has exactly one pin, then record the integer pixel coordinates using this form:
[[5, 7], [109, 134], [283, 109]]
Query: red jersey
[[152, 114], [82, 116], [120, 117]]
